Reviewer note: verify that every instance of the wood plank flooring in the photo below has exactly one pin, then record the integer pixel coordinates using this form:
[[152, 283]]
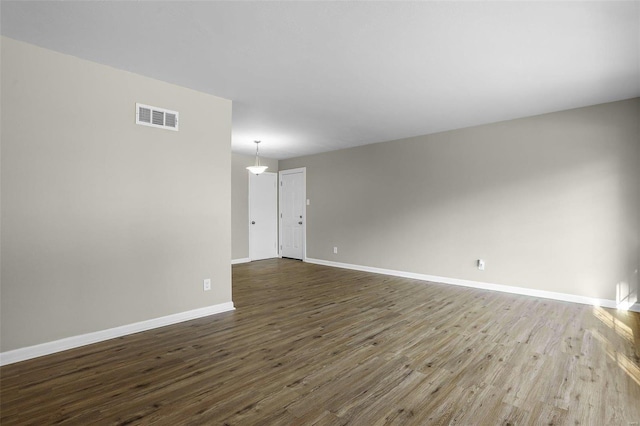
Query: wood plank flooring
[[312, 345]]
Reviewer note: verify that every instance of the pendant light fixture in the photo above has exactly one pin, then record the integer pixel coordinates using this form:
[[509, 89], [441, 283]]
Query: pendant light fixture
[[257, 168]]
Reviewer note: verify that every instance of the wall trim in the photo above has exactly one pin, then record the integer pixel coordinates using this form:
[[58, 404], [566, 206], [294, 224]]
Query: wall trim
[[564, 297], [48, 348], [242, 260]]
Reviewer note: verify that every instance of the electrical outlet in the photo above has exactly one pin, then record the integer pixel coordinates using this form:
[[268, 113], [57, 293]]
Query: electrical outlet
[[206, 285], [335, 250], [481, 264]]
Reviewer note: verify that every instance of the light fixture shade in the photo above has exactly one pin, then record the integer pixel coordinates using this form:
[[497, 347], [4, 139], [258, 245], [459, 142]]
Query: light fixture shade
[[256, 170]]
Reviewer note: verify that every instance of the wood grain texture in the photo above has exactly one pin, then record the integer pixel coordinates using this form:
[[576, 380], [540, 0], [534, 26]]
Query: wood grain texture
[[315, 345], [634, 324]]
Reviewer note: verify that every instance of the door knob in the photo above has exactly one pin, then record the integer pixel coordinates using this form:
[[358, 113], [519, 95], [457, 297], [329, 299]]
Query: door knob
[[299, 223], [253, 222]]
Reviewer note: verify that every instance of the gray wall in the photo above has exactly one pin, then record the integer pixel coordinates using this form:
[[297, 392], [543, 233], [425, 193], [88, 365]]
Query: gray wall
[[550, 202], [240, 201], [105, 222]]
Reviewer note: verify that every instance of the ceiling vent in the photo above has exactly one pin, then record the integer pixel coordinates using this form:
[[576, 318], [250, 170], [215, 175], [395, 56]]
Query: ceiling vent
[[156, 117]]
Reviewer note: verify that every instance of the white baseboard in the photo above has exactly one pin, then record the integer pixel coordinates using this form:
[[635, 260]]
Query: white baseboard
[[481, 285], [48, 348], [243, 260]]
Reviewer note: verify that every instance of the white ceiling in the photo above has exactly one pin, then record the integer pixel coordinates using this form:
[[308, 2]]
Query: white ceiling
[[309, 77]]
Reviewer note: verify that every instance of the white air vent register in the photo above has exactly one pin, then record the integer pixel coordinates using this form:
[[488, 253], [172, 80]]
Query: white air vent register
[[156, 117]]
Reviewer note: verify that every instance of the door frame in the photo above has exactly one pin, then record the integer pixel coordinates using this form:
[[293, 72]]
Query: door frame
[[276, 236], [304, 209]]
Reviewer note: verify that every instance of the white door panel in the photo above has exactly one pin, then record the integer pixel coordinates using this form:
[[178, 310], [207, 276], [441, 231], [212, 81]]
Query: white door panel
[[292, 213], [263, 216]]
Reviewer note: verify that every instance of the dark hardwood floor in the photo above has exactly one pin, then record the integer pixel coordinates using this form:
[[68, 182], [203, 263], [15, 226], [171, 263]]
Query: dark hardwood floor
[[315, 345]]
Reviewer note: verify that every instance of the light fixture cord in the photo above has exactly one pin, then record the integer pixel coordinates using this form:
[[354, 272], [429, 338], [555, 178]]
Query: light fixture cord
[[257, 155]]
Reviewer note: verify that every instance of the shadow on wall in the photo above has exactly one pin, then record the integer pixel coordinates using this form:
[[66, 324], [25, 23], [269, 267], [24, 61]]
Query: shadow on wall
[[627, 291]]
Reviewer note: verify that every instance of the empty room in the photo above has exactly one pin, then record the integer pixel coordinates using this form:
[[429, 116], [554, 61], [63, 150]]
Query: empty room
[[320, 213]]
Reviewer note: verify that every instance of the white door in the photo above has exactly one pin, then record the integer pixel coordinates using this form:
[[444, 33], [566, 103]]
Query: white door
[[263, 216], [292, 213]]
